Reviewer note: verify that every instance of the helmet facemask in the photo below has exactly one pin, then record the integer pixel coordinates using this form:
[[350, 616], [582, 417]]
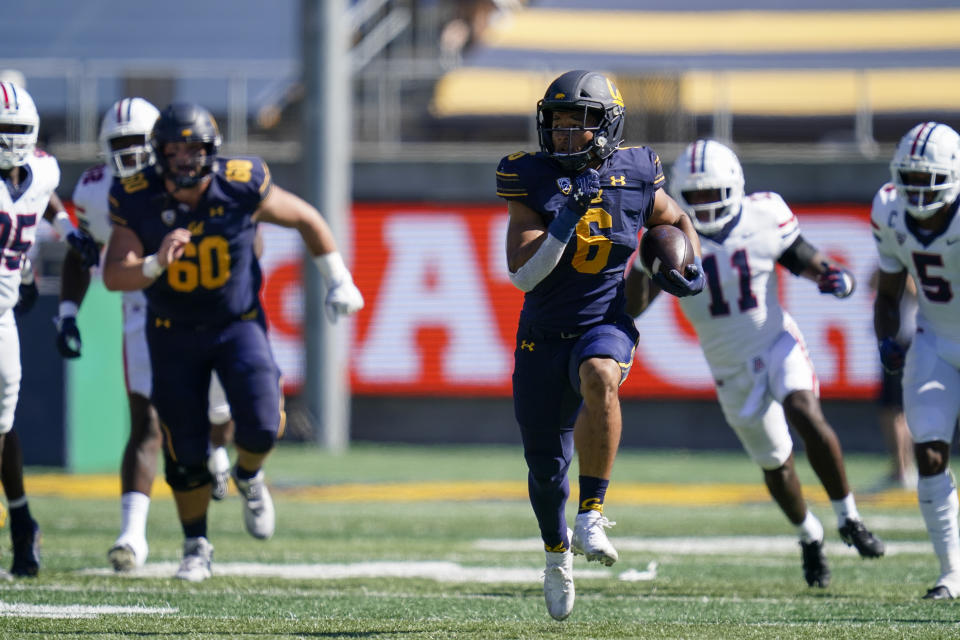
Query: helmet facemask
[[707, 182], [570, 155]]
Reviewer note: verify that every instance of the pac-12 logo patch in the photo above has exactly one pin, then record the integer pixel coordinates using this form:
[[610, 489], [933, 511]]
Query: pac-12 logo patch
[[168, 216], [565, 185]]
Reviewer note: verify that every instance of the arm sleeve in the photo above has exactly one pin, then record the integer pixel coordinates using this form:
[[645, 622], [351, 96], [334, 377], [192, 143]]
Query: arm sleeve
[[539, 265]]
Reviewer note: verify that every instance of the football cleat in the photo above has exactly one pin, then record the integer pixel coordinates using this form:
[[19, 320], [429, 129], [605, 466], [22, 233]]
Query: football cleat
[[26, 552], [939, 592], [590, 539], [258, 514], [855, 534], [128, 553], [558, 588], [815, 568], [197, 558]]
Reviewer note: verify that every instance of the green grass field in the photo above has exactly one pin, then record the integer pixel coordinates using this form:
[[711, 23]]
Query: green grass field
[[414, 543]]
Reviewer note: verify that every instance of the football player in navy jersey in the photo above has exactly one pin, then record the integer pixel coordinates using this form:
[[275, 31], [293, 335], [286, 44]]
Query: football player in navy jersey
[[184, 231], [576, 208]]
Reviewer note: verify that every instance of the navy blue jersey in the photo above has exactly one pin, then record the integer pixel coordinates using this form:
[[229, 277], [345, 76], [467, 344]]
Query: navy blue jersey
[[586, 287], [217, 279]]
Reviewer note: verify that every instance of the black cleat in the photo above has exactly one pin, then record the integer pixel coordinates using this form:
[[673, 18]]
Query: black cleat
[[815, 568], [939, 592], [26, 553], [855, 534]]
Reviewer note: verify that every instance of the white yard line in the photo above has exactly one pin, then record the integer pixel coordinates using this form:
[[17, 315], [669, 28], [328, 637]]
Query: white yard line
[[74, 611]]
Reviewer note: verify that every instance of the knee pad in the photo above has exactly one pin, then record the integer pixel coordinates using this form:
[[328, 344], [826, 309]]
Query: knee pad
[[184, 478], [259, 441]]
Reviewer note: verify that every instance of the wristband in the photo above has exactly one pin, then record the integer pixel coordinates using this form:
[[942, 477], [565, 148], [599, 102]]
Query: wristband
[[151, 267], [332, 268], [62, 224], [563, 225], [68, 309]]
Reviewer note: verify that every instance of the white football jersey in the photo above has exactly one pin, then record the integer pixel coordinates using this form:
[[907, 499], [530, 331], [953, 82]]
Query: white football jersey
[[20, 215], [90, 202], [934, 263], [738, 314], [93, 213]]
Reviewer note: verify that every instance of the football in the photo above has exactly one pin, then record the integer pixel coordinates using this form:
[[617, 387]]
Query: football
[[664, 247]]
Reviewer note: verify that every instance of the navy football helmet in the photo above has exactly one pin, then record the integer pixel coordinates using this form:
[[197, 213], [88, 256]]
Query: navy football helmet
[[186, 122], [598, 99]]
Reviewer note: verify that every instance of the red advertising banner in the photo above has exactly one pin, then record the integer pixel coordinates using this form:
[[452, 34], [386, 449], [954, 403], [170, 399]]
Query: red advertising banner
[[440, 314]]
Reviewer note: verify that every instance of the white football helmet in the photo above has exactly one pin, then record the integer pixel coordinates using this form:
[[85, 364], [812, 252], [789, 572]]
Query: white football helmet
[[707, 182], [926, 168], [19, 125], [132, 117]]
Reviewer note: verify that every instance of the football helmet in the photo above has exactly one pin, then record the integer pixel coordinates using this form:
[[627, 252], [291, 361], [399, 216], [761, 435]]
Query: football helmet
[[926, 168], [186, 122], [592, 94], [19, 125], [707, 182], [132, 119]]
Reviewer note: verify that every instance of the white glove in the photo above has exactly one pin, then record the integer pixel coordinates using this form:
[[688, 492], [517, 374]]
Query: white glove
[[343, 297]]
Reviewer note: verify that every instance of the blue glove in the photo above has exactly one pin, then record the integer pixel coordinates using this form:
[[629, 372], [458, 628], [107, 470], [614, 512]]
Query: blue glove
[[68, 337], [680, 286], [86, 246], [28, 297], [839, 282], [892, 355], [585, 188]]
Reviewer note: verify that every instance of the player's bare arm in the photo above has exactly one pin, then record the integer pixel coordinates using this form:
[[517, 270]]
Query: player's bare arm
[[126, 268], [667, 211], [804, 260], [886, 307], [525, 234], [285, 209]]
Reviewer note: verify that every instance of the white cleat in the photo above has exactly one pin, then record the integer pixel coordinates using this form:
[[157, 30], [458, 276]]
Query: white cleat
[[197, 558], [590, 539], [258, 514], [558, 588], [128, 553]]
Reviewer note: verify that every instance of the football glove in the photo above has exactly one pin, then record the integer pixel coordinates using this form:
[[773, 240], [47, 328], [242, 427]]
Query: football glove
[[839, 282], [892, 355], [28, 297], [86, 246], [585, 188], [68, 337], [343, 299], [680, 286]]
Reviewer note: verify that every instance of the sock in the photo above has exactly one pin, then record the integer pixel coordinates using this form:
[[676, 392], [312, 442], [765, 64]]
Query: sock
[[219, 461], [20, 520], [937, 496], [133, 514], [845, 508], [243, 474], [196, 529], [592, 492], [810, 530]]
